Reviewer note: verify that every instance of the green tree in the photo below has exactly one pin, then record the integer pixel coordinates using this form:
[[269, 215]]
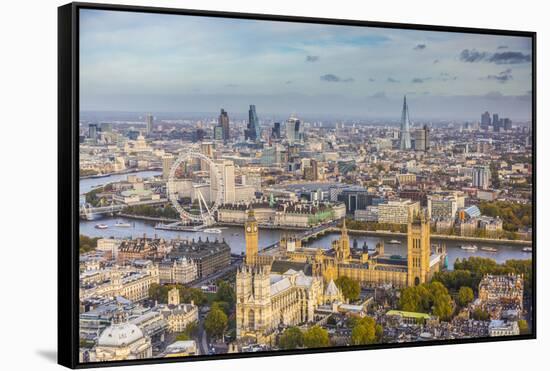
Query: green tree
[[480, 315], [465, 296], [316, 337], [87, 244], [191, 330], [183, 337], [291, 338], [215, 323], [350, 288], [427, 298], [222, 305], [225, 292], [196, 295], [365, 331]]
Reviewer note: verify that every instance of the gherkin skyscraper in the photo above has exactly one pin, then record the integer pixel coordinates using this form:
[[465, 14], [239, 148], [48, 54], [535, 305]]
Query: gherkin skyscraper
[[405, 135]]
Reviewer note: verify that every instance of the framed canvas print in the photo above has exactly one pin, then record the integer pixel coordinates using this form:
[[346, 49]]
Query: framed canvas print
[[235, 185]]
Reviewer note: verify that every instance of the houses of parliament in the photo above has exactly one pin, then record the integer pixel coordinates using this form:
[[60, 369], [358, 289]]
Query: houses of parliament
[[287, 288]]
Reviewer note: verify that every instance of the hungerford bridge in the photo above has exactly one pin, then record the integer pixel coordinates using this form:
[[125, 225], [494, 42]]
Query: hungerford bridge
[[89, 212]]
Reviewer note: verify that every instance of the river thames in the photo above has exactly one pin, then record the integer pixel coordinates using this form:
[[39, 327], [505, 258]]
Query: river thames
[[234, 236]]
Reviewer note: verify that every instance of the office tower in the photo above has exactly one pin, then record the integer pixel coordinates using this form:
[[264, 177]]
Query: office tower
[[92, 132], [218, 133], [506, 124], [149, 124], [276, 131], [421, 139], [497, 125], [481, 175], [226, 170], [223, 123], [405, 135], [485, 120], [252, 131], [426, 137], [496, 120], [207, 149], [293, 130], [167, 162]]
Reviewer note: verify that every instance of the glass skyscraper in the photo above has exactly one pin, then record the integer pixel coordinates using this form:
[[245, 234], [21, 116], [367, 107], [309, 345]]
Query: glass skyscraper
[[253, 128]]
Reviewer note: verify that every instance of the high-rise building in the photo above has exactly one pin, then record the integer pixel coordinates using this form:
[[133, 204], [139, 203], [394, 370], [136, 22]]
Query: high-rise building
[[496, 120], [485, 120], [92, 132], [293, 130], [226, 170], [421, 139], [207, 149], [149, 124], [481, 176], [506, 124], [405, 135], [276, 131], [167, 162], [218, 133], [223, 123], [252, 131]]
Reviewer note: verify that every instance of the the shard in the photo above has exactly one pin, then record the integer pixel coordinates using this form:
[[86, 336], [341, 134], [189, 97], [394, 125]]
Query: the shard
[[405, 135]]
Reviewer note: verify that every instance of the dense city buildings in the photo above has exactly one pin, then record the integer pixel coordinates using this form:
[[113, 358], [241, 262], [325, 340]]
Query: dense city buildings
[[236, 224], [209, 256]]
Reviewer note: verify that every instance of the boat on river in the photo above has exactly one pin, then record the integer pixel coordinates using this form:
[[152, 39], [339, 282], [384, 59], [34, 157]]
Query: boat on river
[[101, 226], [489, 249], [468, 247], [122, 225], [394, 242], [212, 230], [527, 249]]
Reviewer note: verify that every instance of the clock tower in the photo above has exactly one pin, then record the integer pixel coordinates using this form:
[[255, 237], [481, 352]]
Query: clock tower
[[251, 238]]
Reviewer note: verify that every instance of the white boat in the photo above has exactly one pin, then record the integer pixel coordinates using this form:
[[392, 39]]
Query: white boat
[[122, 225], [469, 247], [488, 249], [101, 226], [527, 249], [394, 242], [212, 230]]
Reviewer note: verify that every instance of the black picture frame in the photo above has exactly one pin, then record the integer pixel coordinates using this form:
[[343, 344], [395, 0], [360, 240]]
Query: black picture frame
[[68, 178]]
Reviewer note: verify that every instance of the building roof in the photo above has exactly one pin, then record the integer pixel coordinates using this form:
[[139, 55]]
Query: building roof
[[403, 313], [282, 266], [331, 289], [119, 335]]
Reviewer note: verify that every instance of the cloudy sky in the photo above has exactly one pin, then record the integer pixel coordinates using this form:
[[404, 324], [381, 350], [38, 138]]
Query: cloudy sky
[[170, 63]]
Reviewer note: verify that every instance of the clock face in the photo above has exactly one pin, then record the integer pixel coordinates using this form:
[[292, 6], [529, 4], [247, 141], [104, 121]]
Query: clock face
[[248, 229], [255, 229]]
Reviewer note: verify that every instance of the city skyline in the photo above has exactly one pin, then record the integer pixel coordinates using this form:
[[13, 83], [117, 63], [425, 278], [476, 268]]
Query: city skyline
[[170, 63]]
